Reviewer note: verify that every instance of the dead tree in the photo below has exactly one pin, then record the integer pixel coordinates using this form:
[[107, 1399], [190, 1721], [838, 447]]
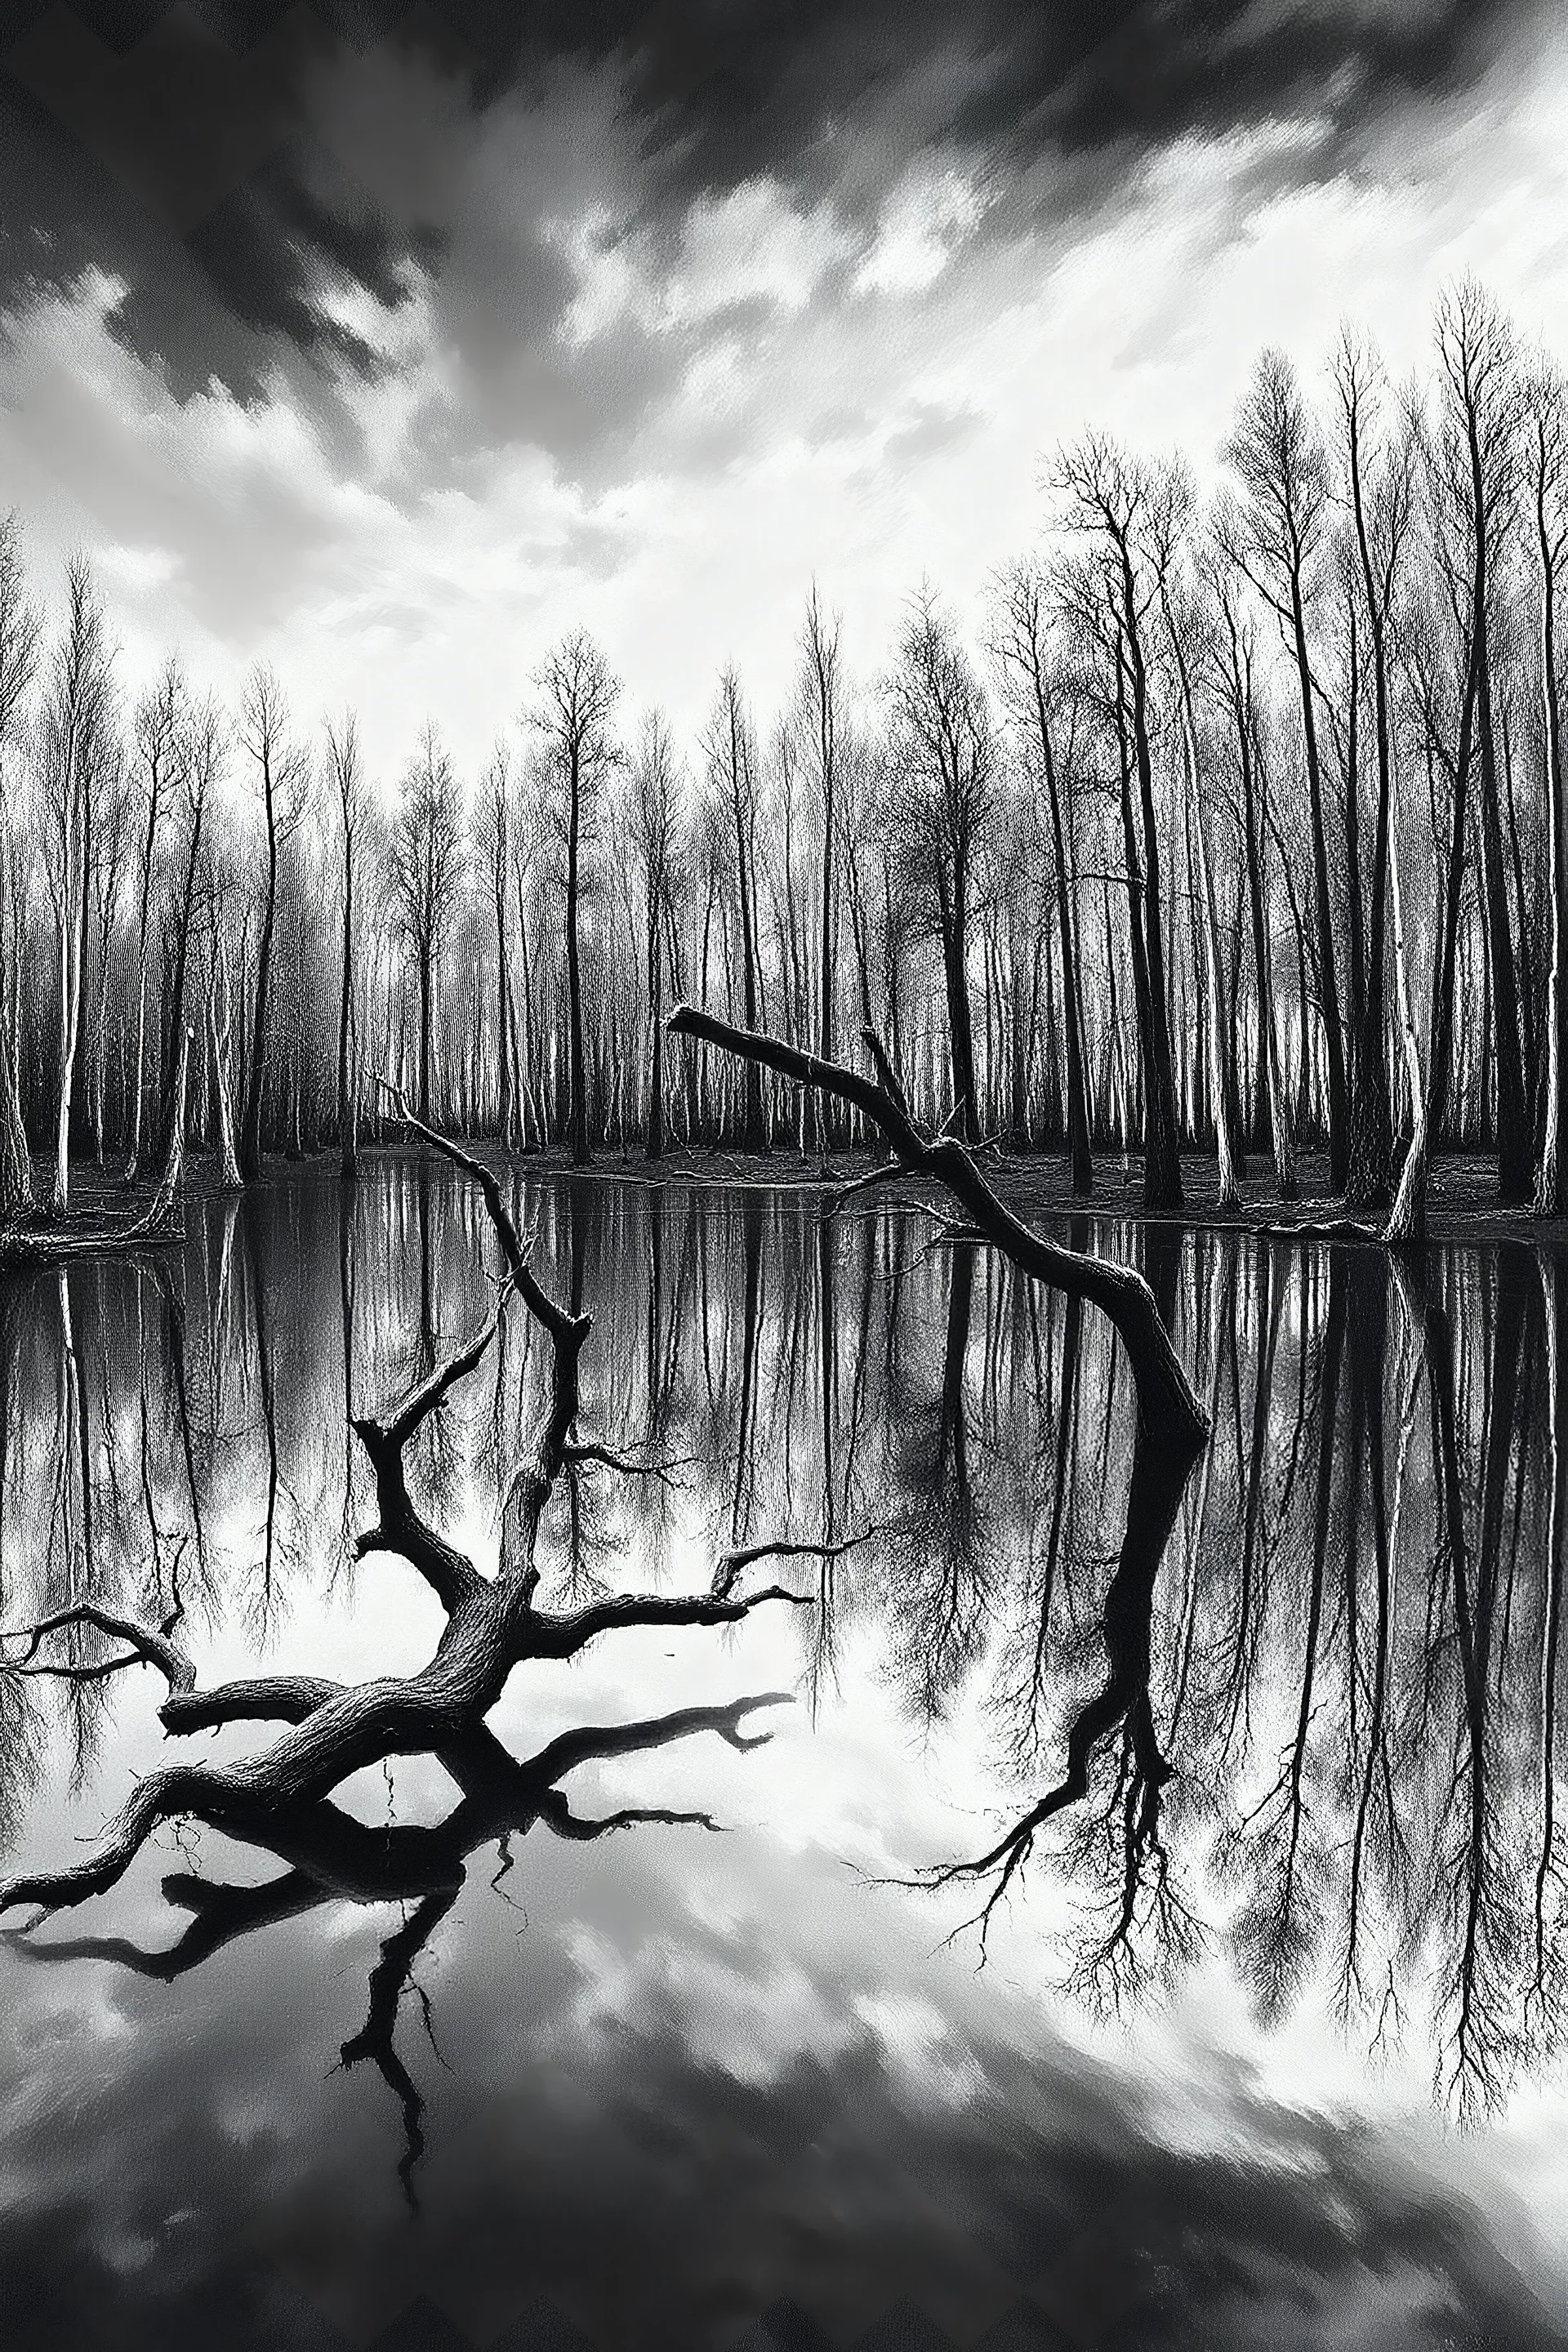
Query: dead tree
[[947, 756], [18, 660], [1172, 1431], [348, 780], [1278, 542], [1166, 1404], [264, 732], [159, 742], [427, 871], [78, 749], [1546, 458], [279, 1797], [331, 1857], [576, 718]]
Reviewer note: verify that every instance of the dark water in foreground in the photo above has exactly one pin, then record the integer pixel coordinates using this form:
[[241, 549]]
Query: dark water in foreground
[[1267, 2048]]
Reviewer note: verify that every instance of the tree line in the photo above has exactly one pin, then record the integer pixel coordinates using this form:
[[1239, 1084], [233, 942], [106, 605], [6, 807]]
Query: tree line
[[1233, 826]]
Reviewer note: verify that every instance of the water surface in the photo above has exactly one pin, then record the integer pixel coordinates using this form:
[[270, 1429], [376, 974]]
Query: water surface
[[1258, 2039]]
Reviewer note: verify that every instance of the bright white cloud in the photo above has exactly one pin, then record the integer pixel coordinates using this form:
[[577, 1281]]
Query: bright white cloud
[[924, 224], [752, 247], [666, 434]]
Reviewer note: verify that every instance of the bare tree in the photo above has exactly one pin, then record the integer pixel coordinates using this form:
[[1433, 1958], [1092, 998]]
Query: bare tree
[[578, 694], [76, 747], [1278, 452], [264, 733], [1546, 475], [1024, 653], [427, 864], [199, 769], [495, 849], [348, 781], [947, 762], [654, 812], [730, 746], [1181, 631], [1232, 662], [1125, 508], [279, 1798], [1381, 483], [821, 696], [158, 741], [18, 658], [1473, 472]]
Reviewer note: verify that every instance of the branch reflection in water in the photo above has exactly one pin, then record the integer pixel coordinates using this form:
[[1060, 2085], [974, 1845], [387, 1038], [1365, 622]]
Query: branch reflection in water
[[1291, 1703]]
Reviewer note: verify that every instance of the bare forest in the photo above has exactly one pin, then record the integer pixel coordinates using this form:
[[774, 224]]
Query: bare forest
[[1230, 823]]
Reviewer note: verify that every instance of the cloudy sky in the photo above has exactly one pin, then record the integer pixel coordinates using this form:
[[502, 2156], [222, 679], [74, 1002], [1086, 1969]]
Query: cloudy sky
[[389, 346]]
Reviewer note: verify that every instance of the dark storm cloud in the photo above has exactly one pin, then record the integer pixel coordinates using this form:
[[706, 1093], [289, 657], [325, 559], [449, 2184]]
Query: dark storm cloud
[[773, 85], [181, 151]]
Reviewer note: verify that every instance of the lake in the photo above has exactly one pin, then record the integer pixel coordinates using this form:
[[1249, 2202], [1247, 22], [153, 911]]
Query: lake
[[1245, 2028]]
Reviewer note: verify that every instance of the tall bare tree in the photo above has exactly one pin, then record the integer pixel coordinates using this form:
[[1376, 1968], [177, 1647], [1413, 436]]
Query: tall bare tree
[[494, 848], [653, 813], [1124, 508], [1022, 634], [1380, 484], [347, 774], [1474, 472], [427, 861], [1278, 452], [158, 743], [575, 714], [821, 695], [730, 746], [947, 755], [1546, 476], [279, 765], [77, 747], [19, 659]]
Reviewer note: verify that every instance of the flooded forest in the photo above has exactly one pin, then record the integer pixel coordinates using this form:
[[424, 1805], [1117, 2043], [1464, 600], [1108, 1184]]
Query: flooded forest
[[752, 1559], [1231, 825]]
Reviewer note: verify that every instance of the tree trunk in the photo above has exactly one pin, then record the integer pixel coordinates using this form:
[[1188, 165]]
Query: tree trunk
[[581, 1152], [1328, 982], [1408, 1218], [1548, 1184], [256, 1077], [348, 1109], [169, 1183]]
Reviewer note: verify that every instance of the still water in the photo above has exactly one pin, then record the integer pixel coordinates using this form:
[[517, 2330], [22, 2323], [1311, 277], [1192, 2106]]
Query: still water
[[1249, 2031]]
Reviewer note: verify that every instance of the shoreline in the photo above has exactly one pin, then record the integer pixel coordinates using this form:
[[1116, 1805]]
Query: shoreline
[[1461, 1203]]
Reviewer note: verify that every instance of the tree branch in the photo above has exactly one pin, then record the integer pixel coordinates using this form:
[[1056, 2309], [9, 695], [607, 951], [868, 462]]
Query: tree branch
[[562, 1327], [730, 1564], [564, 1636], [610, 1460], [1166, 1400], [147, 1647], [269, 1698], [591, 1742], [450, 1576]]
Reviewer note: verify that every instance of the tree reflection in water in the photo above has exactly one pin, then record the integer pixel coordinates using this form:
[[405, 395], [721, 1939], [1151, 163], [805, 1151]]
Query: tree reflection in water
[[1293, 1698]]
